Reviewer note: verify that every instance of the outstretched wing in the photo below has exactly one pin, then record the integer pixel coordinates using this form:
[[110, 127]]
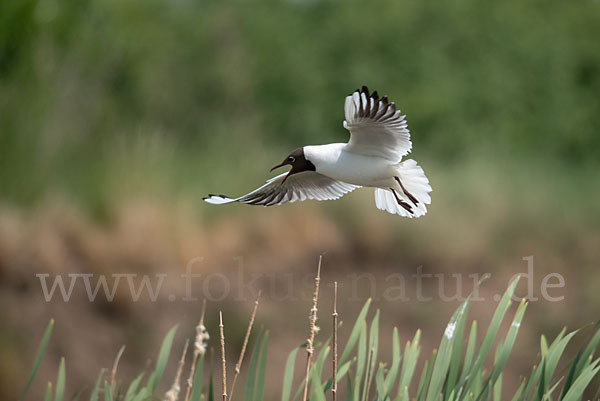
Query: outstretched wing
[[297, 187], [376, 127]]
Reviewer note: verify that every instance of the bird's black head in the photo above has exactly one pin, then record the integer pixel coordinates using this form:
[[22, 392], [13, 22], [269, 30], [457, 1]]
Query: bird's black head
[[298, 161]]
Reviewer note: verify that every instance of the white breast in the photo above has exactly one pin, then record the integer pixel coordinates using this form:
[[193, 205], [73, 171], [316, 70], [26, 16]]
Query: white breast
[[335, 162]]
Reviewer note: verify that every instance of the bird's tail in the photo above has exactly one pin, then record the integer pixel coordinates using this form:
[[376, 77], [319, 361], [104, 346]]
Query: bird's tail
[[411, 192]]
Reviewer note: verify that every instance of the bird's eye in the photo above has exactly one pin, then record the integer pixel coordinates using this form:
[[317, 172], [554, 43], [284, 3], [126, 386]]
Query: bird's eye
[[291, 159]]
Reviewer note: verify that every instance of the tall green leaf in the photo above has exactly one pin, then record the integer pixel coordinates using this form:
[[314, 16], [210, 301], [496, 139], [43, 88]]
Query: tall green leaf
[[107, 393], [444, 355], [288, 376], [262, 367], [133, 387], [48, 395], [96, 389], [161, 362], [60, 381], [355, 333], [251, 376], [38, 357], [197, 384]]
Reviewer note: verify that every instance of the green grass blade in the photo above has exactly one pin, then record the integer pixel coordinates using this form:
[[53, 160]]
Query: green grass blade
[[77, 394], [321, 358], [580, 384], [589, 350], [197, 385], [371, 355], [581, 360], [543, 345], [143, 395], [96, 389], [470, 349], [541, 389], [161, 362], [133, 387], [426, 376], [411, 356], [48, 395], [486, 344], [532, 380], [251, 376], [107, 392], [342, 372], [60, 381], [504, 352], [288, 376], [262, 367], [404, 395], [349, 390], [477, 382], [497, 394], [555, 352], [517, 395], [355, 333], [548, 394], [372, 351], [318, 394], [38, 357], [380, 382], [392, 375], [374, 337], [454, 366], [361, 361], [445, 351], [211, 388]]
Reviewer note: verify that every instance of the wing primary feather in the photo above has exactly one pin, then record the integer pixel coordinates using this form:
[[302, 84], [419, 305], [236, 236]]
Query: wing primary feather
[[388, 114], [384, 110], [376, 125], [376, 104], [365, 90]]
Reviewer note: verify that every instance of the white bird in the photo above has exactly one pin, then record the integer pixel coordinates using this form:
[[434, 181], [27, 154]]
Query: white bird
[[379, 138]]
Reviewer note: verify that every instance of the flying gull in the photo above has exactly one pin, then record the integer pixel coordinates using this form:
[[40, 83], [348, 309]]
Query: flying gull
[[379, 139]]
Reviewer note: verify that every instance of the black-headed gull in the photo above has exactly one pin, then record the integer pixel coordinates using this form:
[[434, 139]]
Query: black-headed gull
[[379, 138]]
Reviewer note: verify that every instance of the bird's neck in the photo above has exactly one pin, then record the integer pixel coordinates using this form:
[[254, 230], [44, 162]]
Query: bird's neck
[[323, 155]]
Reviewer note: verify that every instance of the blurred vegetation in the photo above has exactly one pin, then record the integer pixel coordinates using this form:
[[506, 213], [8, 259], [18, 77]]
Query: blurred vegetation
[[108, 101], [454, 372], [98, 97]]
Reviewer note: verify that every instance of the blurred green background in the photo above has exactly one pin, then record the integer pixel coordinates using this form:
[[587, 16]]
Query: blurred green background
[[117, 116]]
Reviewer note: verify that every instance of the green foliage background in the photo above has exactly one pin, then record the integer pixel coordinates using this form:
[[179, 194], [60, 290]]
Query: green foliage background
[[84, 84]]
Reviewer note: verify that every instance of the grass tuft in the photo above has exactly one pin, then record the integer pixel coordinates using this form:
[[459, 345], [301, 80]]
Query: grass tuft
[[452, 372]]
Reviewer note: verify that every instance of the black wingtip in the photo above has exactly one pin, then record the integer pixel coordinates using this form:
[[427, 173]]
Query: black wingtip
[[365, 90]]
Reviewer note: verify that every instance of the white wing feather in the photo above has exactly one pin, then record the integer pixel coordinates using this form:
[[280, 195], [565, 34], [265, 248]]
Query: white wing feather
[[298, 187], [376, 127]]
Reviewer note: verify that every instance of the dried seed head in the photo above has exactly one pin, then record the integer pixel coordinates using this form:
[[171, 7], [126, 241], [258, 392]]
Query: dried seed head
[[173, 393], [202, 337]]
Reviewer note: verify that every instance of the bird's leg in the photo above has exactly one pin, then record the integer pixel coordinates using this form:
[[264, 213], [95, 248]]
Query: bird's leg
[[408, 194], [401, 202]]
